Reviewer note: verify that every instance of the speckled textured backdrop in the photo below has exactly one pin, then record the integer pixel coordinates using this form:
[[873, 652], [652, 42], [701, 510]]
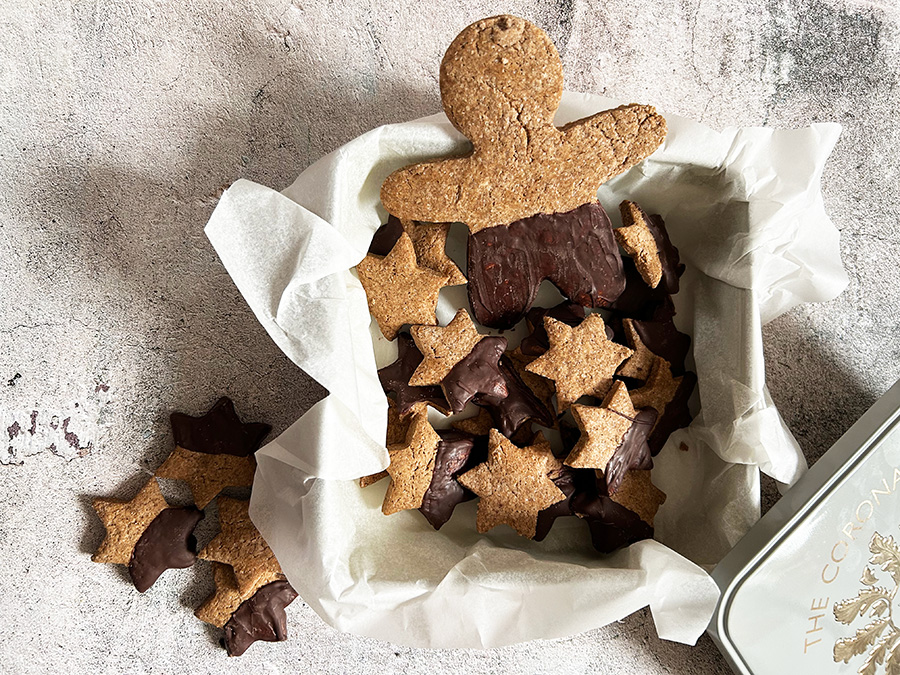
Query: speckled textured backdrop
[[121, 122]]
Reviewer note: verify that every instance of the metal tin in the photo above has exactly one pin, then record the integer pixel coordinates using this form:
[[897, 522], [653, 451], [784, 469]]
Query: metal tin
[[813, 586]]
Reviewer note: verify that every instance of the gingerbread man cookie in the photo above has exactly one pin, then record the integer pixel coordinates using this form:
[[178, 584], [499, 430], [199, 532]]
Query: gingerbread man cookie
[[501, 82]]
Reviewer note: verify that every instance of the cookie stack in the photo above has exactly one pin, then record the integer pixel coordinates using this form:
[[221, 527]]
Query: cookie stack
[[212, 452], [605, 369]]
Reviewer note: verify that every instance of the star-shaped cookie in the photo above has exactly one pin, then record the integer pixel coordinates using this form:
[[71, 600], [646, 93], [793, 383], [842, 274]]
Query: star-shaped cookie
[[658, 390], [411, 467], [429, 240], [602, 429], [581, 360], [395, 378], [442, 347], [514, 484], [207, 475], [638, 365], [637, 493], [126, 521], [240, 545], [398, 289], [638, 241], [219, 432]]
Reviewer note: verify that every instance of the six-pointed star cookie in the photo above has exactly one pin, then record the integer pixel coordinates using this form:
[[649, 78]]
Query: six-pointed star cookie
[[514, 484], [443, 347], [126, 521], [240, 545], [638, 241], [602, 429], [581, 360], [398, 290], [411, 467], [218, 432], [207, 475]]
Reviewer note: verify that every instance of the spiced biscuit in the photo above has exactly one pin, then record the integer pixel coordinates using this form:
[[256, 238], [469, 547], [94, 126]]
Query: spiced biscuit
[[395, 378], [637, 493], [147, 535], [638, 365], [219, 431], [398, 290], [412, 466], [514, 484], [603, 429], [429, 241], [645, 238], [501, 82], [206, 474], [581, 361], [442, 347], [240, 545]]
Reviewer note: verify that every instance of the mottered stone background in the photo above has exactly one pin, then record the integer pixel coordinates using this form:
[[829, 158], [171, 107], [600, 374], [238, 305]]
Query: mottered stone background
[[121, 122]]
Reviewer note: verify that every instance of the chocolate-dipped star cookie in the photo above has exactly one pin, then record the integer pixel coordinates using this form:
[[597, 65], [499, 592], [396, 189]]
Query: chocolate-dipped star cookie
[[429, 241], [667, 395], [537, 342], [218, 432], [146, 534], [519, 405], [514, 484], [240, 545], [602, 428], [501, 83], [638, 300], [633, 452], [612, 525], [400, 291], [464, 362], [581, 361], [207, 475], [395, 379], [454, 452], [248, 617], [412, 466], [646, 240], [638, 494]]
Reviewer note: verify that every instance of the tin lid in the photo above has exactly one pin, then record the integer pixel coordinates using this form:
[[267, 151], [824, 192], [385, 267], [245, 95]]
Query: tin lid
[[812, 588]]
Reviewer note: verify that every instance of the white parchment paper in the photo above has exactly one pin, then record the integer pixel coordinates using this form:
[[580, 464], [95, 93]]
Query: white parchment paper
[[745, 209]]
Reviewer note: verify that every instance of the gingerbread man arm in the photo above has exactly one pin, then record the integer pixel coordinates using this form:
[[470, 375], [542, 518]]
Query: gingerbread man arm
[[429, 191], [618, 138]]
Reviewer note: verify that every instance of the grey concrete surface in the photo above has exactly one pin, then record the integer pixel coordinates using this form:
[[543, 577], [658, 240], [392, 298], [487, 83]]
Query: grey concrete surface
[[121, 122]]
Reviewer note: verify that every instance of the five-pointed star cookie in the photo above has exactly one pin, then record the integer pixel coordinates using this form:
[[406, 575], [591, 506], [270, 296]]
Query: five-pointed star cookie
[[514, 484], [637, 493], [602, 429], [411, 467], [218, 432], [638, 365], [126, 521], [443, 347], [429, 240], [581, 360], [658, 390], [207, 475], [218, 608], [638, 241], [398, 289], [240, 545]]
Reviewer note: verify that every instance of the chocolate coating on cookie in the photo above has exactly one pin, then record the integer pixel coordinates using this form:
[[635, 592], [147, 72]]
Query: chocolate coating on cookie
[[167, 543], [664, 339], [565, 481], [612, 525], [638, 300], [394, 379], [517, 407], [537, 342], [676, 415], [633, 452], [672, 268], [575, 250], [386, 236], [219, 431], [477, 373], [454, 453], [261, 617]]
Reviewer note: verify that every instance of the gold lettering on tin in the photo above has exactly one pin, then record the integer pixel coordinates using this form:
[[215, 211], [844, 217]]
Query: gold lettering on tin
[[871, 510], [834, 548], [837, 568], [849, 529], [876, 491], [816, 605]]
